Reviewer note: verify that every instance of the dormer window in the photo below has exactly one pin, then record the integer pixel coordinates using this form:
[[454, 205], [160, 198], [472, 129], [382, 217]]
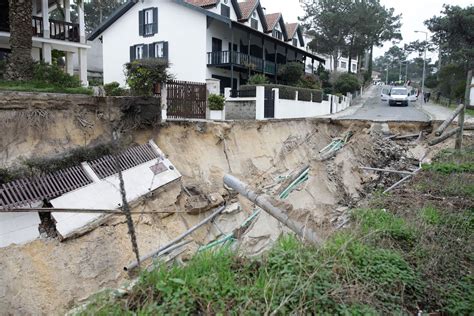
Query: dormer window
[[225, 11], [254, 14], [277, 34], [295, 42], [254, 24]]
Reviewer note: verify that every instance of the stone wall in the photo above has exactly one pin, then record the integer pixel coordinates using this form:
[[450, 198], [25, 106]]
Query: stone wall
[[48, 124], [240, 110]]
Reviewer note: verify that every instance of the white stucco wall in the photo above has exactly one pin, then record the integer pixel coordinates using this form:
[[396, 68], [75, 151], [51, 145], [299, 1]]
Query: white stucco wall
[[18, 228], [183, 28], [217, 9], [94, 57], [300, 109]]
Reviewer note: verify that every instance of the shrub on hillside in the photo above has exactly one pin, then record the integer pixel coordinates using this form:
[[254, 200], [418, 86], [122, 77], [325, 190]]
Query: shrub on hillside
[[258, 79], [142, 75], [114, 89], [290, 74], [54, 75], [216, 102], [346, 83]]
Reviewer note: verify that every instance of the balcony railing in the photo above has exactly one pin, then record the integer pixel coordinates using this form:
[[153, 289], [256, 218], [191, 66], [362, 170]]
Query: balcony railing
[[242, 60], [59, 30]]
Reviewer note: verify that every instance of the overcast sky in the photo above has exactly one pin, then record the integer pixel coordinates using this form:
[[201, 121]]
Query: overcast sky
[[414, 13]]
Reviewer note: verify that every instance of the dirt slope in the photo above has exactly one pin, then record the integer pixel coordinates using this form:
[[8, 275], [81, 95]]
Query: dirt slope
[[48, 277]]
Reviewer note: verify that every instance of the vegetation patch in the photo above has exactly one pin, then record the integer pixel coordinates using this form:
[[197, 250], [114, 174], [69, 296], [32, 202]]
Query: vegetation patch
[[38, 86]]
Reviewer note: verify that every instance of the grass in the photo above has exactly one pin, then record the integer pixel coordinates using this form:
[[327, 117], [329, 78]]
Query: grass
[[409, 251], [34, 86]]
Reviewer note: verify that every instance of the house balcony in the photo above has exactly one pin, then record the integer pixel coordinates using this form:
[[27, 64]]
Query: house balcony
[[243, 61], [59, 30]]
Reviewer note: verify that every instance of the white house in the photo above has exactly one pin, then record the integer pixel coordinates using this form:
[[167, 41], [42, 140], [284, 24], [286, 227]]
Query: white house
[[342, 63], [50, 34], [222, 39]]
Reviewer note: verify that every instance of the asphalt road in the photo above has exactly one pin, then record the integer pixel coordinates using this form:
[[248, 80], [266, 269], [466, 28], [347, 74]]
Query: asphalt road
[[374, 109]]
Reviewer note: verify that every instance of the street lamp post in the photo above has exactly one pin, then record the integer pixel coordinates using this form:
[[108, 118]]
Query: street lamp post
[[424, 64]]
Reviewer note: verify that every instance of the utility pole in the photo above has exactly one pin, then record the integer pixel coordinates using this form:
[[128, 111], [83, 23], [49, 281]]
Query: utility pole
[[424, 64]]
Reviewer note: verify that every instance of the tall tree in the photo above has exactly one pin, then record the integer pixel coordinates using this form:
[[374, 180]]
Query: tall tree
[[454, 32], [326, 21], [20, 63]]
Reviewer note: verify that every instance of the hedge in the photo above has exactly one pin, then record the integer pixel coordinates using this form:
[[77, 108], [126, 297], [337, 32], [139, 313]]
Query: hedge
[[289, 92]]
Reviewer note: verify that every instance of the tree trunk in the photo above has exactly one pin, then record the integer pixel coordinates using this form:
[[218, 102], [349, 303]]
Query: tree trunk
[[369, 70], [20, 63], [350, 56]]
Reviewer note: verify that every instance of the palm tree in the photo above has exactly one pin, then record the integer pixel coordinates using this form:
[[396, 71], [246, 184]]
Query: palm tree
[[20, 63]]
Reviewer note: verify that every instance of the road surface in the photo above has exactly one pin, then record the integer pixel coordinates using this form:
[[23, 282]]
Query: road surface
[[374, 109]]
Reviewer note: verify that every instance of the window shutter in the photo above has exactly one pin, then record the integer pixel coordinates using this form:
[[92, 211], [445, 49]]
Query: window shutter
[[151, 50], [145, 51], [165, 50], [132, 53], [141, 22], [155, 20]]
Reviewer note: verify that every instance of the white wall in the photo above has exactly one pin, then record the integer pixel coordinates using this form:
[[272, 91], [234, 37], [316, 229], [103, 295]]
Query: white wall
[[217, 10], [94, 57], [18, 228], [300, 109], [183, 28], [104, 194]]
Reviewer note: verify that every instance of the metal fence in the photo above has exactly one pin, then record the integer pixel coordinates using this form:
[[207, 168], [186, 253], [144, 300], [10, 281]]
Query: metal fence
[[131, 157], [186, 99], [28, 191]]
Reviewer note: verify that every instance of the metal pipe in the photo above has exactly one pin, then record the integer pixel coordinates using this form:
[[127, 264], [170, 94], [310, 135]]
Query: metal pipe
[[134, 264], [76, 210], [387, 170], [301, 230]]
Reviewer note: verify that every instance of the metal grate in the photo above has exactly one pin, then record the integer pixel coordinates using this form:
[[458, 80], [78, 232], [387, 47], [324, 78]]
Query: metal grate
[[132, 157], [23, 192]]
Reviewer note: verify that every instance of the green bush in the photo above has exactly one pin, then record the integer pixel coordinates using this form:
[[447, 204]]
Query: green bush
[[346, 83], [54, 75], [3, 65], [216, 102], [114, 89], [309, 81], [142, 75], [258, 79], [290, 74]]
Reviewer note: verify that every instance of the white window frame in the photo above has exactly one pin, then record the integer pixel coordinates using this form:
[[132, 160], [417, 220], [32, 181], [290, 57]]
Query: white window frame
[[148, 21], [138, 51], [343, 64], [160, 50]]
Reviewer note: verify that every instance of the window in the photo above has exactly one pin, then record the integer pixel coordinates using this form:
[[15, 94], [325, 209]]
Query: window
[[148, 22], [343, 64], [354, 67], [254, 14], [254, 24], [225, 11], [139, 52], [277, 34], [295, 42]]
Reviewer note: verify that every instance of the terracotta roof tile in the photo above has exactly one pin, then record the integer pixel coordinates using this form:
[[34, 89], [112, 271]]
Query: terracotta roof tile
[[202, 3], [247, 7], [272, 20], [291, 29]]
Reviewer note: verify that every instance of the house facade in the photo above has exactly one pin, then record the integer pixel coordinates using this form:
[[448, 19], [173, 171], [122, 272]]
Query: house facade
[[51, 34], [202, 39]]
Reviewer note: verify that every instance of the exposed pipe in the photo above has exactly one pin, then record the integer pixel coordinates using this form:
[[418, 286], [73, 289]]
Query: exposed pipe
[[134, 264], [301, 230]]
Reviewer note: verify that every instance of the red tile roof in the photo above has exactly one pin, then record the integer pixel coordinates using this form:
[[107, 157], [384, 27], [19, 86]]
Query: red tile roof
[[202, 3], [291, 29], [247, 8], [272, 20]]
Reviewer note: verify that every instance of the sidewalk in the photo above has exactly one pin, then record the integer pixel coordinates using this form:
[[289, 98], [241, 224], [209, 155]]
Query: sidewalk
[[357, 103], [441, 113]]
